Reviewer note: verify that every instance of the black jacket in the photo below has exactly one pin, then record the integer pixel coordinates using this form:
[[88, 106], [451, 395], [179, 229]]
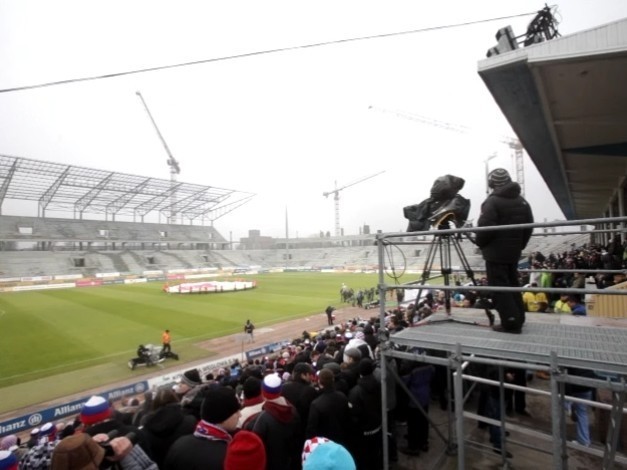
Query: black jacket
[[164, 426], [300, 394], [365, 400], [329, 416], [196, 453], [277, 426], [504, 206]]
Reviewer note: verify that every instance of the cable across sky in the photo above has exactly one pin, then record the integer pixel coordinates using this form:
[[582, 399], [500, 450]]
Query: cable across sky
[[253, 54]]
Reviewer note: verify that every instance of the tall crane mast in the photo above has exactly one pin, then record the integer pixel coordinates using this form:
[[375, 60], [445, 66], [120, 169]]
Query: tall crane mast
[[175, 169], [336, 198], [511, 142]]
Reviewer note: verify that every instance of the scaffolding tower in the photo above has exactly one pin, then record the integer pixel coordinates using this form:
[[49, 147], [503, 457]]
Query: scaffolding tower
[[551, 344]]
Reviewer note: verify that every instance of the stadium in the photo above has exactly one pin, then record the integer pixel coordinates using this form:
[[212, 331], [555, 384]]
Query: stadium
[[87, 275]]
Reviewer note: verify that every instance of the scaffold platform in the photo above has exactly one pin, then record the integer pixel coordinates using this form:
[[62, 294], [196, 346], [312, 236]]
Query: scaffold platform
[[593, 343]]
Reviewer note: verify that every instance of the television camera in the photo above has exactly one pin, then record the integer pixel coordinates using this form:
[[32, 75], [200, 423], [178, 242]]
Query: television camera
[[443, 206]]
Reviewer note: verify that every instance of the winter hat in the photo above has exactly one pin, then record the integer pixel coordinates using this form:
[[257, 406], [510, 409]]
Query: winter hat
[[251, 387], [77, 452], [366, 367], [328, 455], [8, 441], [245, 451], [303, 368], [191, 378], [8, 460], [95, 410], [498, 177], [219, 404], [271, 388], [311, 444], [353, 353], [359, 335], [49, 431]]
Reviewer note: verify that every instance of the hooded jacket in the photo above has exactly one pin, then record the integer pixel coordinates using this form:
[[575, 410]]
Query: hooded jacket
[[504, 206], [278, 426], [164, 426]]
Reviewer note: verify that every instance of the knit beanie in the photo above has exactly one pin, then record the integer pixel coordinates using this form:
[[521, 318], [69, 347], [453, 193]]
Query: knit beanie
[[8, 460], [77, 452], [48, 431], [191, 378], [498, 177], [8, 441], [95, 410], [311, 444], [271, 388], [327, 455], [251, 387], [366, 367], [219, 404], [245, 451]]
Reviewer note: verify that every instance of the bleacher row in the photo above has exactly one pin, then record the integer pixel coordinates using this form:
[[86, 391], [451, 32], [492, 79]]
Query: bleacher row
[[14, 228], [140, 247]]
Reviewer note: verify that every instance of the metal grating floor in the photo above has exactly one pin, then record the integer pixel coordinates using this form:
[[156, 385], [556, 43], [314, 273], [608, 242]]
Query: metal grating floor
[[591, 347]]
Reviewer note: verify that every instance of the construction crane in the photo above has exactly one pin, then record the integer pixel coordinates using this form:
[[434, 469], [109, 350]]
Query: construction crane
[[511, 142], [175, 169], [336, 198]]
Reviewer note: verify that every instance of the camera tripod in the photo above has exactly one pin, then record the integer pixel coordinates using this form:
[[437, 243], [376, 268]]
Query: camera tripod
[[442, 243]]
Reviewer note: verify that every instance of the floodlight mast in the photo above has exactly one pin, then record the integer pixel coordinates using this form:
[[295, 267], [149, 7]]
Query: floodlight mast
[[336, 198], [175, 169]]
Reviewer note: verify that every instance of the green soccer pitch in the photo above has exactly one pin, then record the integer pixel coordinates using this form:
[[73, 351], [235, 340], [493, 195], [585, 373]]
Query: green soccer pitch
[[59, 342]]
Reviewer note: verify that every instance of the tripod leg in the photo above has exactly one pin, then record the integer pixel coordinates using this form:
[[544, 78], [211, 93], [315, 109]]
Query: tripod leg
[[471, 276], [446, 269]]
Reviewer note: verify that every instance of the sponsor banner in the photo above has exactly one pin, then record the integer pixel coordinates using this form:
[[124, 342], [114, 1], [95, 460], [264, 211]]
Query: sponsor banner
[[180, 271], [158, 272], [88, 282], [26, 422], [267, 349], [10, 279], [134, 281], [107, 274], [207, 287], [43, 286], [153, 279], [203, 369], [201, 276], [68, 276], [173, 277], [36, 278]]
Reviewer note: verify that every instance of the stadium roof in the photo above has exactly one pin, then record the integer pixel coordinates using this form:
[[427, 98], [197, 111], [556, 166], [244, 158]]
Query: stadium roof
[[566, 100], [79, 190]]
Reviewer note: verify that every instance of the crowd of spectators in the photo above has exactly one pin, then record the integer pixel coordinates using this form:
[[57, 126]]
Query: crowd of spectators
[[315, 402], [543, 271]]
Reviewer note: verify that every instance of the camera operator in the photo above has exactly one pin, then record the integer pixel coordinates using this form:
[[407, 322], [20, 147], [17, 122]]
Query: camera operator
[[501, 249]]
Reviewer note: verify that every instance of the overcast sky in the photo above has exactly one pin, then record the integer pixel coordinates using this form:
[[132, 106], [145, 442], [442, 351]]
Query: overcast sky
[[286, 125]]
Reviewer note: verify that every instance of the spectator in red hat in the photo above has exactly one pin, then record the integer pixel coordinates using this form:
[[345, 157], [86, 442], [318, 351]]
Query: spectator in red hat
[[245, 451]]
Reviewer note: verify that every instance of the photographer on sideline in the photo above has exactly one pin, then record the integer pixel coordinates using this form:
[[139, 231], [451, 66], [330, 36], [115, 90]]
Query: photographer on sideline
[[501, 249]]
